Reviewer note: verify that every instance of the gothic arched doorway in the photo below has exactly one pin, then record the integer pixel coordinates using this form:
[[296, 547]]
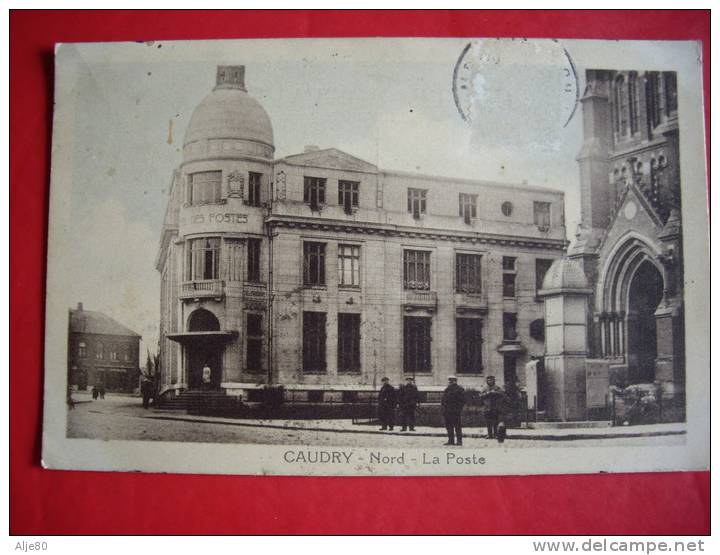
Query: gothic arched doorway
[[203, 350], [644, 296]]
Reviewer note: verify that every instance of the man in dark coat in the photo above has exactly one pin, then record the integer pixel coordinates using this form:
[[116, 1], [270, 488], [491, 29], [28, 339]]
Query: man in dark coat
[[387, 399], [409, 398], [453, 400], [492, 398]]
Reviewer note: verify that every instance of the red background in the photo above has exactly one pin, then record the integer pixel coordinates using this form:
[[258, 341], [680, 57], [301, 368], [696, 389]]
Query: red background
[[43, 501]]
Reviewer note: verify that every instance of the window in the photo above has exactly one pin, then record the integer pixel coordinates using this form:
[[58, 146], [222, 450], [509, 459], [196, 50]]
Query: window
[[508, 276], [349, 265], [467, 273], [253, 260], [417, 344], [348, 343], [541, 214], [82, 349], [542, 266], [507, 208], [313, 263], [417, 269], [126, 354], [314, 193], [99, 351], [113, 352], [253, 340], [655, 91], [621, 106], [254, 189], [468, 207], [509, 326], [633, 101], [348, 195], [204, 259], [670, 82], [314, 342], [205, 187], [468, 345], [417, 202]]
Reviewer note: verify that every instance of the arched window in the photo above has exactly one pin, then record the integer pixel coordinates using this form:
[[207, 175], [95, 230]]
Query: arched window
[[203, 320], [621, 106], [670, 86]]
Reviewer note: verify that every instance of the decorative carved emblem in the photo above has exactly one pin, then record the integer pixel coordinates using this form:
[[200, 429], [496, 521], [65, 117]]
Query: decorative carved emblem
[[235, 184]]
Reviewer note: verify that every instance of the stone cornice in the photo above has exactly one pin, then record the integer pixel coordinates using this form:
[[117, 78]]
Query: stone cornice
[[366, 228]]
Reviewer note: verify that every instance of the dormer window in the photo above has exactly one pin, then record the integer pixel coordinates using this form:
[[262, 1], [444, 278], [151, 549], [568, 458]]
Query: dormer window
[[417, 202], [468, 207], [348, 195], [314, 192]]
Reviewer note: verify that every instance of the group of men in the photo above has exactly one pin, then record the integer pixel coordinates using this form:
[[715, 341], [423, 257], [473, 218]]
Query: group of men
[[407, 398]]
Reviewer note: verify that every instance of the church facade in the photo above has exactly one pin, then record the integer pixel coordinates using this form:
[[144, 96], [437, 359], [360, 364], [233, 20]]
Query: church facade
[[621, 284], [323, 273]]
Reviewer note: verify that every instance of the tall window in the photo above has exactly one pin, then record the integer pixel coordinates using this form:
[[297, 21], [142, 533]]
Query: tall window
[[542, 266], [82, 349], [541, 214], [417, 269], [670, 86], [253, 260], [348, 195], [99, 351], [468, 345], [314, 191], [417, 202], [113, 352], [633, 101], [468, 207], [313, 263], [253, 340], [509, 326], [205, 187], [314, 342], [417, 339], [509, 276], [349, 265], [467, 273], [254, 189], [204, 261], [348, 352], [621, 106]]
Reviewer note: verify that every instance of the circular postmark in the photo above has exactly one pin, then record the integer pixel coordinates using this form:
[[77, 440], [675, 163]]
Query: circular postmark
[[516, 84]]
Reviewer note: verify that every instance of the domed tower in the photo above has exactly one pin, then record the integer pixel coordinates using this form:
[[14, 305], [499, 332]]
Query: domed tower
[[215, 270]]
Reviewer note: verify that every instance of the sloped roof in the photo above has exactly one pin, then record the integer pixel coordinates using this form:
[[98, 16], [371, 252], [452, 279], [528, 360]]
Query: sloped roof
[[90, 321], [331, 158]]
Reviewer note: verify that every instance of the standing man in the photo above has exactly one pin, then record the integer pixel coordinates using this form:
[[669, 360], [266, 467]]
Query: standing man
[[453, 400], [387, 399], [145, 389], [409, 398], [206, 377], [492, 398]]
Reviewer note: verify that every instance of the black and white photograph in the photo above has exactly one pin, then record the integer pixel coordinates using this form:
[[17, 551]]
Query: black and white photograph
[[378, 257]]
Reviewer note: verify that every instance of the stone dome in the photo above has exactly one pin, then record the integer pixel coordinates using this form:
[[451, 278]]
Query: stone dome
[[566, 275], [230, 119]]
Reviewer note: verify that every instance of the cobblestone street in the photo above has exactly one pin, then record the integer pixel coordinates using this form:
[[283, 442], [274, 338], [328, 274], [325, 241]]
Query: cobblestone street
[[123, 418]]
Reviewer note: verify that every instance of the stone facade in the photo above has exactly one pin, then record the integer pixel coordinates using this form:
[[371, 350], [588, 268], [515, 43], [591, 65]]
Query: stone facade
[[321, 272]]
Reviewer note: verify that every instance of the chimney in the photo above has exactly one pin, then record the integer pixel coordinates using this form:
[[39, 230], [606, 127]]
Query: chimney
[[80, 307], [311, 148], [231, 77]]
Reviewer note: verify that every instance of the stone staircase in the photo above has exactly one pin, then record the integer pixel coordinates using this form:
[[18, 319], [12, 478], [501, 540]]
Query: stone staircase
[[198, 401]]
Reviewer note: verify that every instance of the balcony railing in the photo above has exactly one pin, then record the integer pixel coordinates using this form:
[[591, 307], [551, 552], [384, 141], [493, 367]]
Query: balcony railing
[[423, 299], [201, 288]]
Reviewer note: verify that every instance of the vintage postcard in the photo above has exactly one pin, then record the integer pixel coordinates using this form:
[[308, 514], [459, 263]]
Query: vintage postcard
[[378, 257]]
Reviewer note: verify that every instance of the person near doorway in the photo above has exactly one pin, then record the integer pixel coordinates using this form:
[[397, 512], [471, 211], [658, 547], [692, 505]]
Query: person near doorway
[[146, 390], [408, 400], [206, 377], [453, 401], [387, 399], [95, 392], [492, 398]]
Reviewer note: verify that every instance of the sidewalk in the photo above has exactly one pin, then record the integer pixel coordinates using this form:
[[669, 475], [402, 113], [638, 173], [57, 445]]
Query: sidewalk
[[347, 426]]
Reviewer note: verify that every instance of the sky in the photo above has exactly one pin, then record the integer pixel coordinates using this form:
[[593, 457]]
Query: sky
[[389, 102]]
